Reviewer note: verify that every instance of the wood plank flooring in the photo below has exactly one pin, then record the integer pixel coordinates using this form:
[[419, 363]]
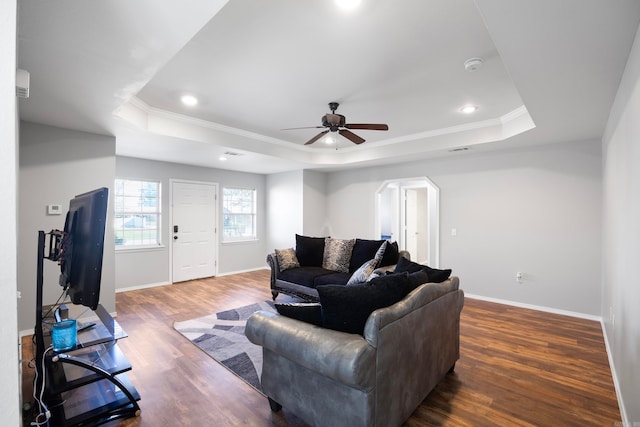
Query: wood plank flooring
[[518, 367]]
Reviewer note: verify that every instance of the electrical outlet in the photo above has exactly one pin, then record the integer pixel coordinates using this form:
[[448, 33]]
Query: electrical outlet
[[519, 277], [19, 294]]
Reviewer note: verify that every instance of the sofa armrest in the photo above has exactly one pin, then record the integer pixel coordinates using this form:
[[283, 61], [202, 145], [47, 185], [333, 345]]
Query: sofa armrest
[[346, 358], [422, 295], [272, 260]]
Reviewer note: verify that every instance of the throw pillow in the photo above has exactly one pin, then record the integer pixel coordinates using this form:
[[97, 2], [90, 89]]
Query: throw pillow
[[376, 273], [380, 252], [363, 251], [337, 254], [362, 274], [391, 255], [309, 250], [347, 308], [418, 278], [435, 275], [310, 312], [287, 259]]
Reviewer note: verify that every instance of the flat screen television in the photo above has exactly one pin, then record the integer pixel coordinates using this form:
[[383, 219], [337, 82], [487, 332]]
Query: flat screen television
[[83, 247]]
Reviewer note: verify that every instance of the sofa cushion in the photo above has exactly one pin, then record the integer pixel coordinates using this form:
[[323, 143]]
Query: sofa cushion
[[416, 279], [362, 274], [391, 255], [310, 312], [435, 275], [286, 259], [305, 276], [346, 308], [363, 251], [337, 254], [309, 250], [332, 278]]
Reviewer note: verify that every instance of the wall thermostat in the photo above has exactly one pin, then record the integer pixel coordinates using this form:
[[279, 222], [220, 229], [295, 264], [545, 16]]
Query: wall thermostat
[[54, 210]]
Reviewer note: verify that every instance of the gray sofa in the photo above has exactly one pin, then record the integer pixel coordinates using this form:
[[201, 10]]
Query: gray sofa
[[327, 377]]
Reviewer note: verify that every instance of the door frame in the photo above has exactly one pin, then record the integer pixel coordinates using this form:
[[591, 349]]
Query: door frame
[[216, 215], [433, 212]]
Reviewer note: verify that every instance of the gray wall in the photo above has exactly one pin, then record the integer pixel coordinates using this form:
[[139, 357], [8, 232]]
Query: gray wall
[[314, 221], [9, 358], [56, 165], [284, 209], [149, 267], [530, 210], [621, 238], [296, 204]]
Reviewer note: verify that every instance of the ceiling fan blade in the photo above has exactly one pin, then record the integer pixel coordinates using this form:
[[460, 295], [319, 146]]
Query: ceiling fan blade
[[351, 136], [315, 138], [369, 126], [306, 127]]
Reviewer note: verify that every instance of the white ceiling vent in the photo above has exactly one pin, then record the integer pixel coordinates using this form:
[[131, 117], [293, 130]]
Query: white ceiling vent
[[22, 83]]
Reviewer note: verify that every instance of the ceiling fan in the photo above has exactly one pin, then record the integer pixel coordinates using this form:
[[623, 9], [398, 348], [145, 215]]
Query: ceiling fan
[[337, 123]]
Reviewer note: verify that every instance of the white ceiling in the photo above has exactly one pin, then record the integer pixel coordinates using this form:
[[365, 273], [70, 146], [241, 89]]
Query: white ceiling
[[551, 70]]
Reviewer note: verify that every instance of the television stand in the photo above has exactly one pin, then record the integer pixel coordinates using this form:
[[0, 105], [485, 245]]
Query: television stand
[[89, 385]]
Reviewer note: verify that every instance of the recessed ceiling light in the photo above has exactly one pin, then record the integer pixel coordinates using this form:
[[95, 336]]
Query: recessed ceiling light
[[468, 109], [189, 100], [348, 4], [222, 158]]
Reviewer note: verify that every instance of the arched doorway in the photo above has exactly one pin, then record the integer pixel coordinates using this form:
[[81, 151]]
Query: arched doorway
[[407, 210]]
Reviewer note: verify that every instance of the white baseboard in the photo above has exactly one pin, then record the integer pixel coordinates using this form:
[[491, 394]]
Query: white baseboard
[[229, 273], [616, 383], [536, 307], [149, 285]]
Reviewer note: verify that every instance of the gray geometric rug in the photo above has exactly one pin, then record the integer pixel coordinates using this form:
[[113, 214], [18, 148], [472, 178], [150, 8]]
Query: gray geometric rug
[[221, 336]]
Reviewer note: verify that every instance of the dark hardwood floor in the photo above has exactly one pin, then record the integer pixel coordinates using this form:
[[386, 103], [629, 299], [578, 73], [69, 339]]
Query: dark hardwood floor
[[518, 367]]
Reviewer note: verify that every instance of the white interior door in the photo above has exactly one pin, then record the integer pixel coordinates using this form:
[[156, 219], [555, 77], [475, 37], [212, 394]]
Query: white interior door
[[193, 229], [411, 222]]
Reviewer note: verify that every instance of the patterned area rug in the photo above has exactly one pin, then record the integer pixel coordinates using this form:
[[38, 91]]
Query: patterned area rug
[[221, 336]]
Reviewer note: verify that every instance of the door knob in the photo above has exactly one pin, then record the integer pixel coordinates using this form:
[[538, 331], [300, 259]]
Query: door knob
[[175, 237]]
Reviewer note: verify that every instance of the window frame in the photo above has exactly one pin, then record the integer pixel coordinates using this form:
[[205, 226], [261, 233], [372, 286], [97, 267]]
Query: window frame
[[253, 214], [142, 211]]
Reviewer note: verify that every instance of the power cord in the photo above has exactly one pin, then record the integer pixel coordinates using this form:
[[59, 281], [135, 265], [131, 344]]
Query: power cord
[[44, 411]]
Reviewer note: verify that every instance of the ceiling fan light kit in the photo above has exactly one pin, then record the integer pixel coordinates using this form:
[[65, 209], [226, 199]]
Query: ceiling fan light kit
[[337, 123]]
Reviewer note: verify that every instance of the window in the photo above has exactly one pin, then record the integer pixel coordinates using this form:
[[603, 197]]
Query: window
[[239, 206], [137, 213]]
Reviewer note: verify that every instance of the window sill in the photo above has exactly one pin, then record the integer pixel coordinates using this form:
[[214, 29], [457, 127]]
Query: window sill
[[153, 248], [240, 242]]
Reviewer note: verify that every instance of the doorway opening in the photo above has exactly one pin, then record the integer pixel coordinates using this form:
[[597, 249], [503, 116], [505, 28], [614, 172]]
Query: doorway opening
[[407, 211]]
